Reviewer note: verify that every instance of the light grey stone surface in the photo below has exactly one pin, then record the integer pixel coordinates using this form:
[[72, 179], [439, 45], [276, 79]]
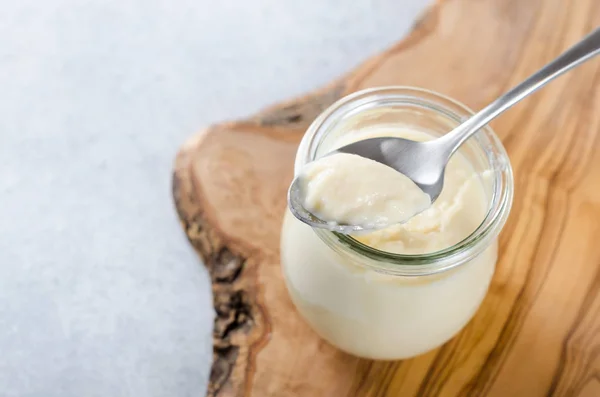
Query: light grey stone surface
[[100, 294]]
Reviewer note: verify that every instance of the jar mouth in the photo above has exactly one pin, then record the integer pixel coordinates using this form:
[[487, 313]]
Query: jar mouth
[[486, 140]]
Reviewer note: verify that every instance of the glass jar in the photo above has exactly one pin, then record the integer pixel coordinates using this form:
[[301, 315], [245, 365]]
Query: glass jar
[[377, 304]]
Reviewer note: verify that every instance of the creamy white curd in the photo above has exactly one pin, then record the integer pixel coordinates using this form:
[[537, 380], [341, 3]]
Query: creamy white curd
[[347, 189], [368, 313]]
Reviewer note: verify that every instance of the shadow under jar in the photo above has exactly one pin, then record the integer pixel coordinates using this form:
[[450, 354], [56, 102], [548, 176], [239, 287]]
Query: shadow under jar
[[405, 290]]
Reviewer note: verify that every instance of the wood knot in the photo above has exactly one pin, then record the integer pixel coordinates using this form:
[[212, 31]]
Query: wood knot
[[225, 266]]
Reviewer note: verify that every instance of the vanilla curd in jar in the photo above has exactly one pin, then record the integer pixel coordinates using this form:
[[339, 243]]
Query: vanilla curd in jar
[[408, 288]]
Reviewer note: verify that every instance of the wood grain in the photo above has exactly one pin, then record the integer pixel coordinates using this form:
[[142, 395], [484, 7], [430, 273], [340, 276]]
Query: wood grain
[[538, 330]]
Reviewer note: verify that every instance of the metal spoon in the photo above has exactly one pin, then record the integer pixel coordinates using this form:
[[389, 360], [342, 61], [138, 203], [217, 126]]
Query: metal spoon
[[425, 162]]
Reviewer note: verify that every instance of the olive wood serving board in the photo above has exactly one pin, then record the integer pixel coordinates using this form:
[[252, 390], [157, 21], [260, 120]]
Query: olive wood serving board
[[538, 330]]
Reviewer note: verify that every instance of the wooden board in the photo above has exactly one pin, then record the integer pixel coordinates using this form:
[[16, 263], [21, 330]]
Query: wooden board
[[538, 330]]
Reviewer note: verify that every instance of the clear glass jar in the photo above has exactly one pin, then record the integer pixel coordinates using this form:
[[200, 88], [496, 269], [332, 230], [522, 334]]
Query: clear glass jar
[[381, 305]]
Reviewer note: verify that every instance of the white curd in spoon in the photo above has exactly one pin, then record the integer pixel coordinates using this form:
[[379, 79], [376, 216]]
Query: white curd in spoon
[[348, 189]]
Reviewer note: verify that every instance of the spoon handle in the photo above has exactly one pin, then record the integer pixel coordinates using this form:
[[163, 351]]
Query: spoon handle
[[584, 50]]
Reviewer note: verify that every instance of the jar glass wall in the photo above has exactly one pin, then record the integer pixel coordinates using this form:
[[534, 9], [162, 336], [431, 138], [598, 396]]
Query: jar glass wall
[[384, 305]]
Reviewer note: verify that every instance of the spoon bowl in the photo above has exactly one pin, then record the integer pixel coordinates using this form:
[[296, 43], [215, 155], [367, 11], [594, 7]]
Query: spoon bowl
[[388, 151]]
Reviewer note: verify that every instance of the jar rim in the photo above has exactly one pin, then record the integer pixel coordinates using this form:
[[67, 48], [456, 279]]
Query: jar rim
[[437, 261]]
